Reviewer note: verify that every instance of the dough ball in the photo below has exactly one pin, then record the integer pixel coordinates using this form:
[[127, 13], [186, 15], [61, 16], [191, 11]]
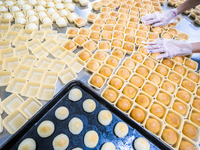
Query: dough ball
[[169, 136], [167, 62], [112, 61], [61, 141], [141, 144], [190, 131], [106, 71], [93, 65], [124, 73], [137, 81], [28, 144], [130, 64], [75, 126], [198, 92], [183, 95], [84, 55], [163, 98], [110, 95], [105, 117], [173, 120], [142, 71], [142, 100], [138, 114], [175, 78], [138, 57], [91, 139], [61, 113], [124, 104], [155, 79], [195, 117], [196, 103], [97, 81], [149, 63], [179, 69], [75, 95], [116, 83], [101, 56], [77, 148], [153, 125], [45, 129], [184, 145], [157, 110], [108, 146], [89, 105], [121, 129], [180, 108], [118, 53], [162, 70], [149, 89], [191, 64], [70, 45], [178, 59], [193, 76], [129, 91], [188, 85], [168, 86], [90, 45], [128, 47]]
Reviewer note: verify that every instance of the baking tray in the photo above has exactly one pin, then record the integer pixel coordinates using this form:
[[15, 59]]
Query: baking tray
[[90, 121]]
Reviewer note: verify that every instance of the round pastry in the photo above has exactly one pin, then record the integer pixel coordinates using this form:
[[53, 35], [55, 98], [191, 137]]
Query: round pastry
[[124, 73], [124, 104], [129, 64], [105, 117], [130, 38], [175, 78], [198, 92], [153, 125], [93, 65], [119, 35], [32, 26], [116, 83], [179, 69], [193, 76], [195, 117], [155, 79], [108, 146], [142, 71], [61, 113], [163, 98], [178, 59], [188, 85], [91, 139], [129, 91], [112, 61], [45, 129], [128, 47], [104, 45], [168, 86], [142, 100], [137, 81], [75, 94], [183, 95], [149, 63], [169, 136], [106, 71], [75, 126], [119, 28], [162, 70], [70, 45], [95, 27], [28, 144], [77, 148], [138, 114], [107, 35], [173, 120], [84, 31], [80, 40], [141, 144], [168, 63], [100, 56], [110, 95], [157, 110], [90, 45], [84, 55], [95, 36], [149, 89], [154, 55], [144, 51], [191, 64], [61, 141], [118, 53], [121, 129], [89, 105], [196, 103], [184, 145], [138, 57], [180, 108], [190, 131], [97, 81]]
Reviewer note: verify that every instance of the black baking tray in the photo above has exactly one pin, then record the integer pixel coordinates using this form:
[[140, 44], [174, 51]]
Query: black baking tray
[[90, 121]]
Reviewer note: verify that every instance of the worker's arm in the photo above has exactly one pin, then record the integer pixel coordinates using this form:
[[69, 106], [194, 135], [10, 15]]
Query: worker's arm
[[188, 4], [196, 47]]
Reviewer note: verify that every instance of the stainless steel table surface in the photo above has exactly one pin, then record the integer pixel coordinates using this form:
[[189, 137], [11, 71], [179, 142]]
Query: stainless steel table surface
[[186, 25]]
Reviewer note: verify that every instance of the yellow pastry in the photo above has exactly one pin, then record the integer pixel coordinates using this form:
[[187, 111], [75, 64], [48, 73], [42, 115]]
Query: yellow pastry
[[138, 114]]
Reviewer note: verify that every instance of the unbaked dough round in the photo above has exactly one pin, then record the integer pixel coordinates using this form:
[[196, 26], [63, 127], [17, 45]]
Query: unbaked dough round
[[141, 144], [75, 94], [45, 129], [105, 117], [28, 144], [75, 125], [77, 148], [108, 146], [61, 113], [121, 129], [91, 139], [89, 105], [60, 142]]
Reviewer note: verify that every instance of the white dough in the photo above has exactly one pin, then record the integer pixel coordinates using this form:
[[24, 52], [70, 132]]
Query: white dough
[[105, 117], [19, 15], [67, 1], [42, 14], [50, 4], [121, 129], [30, 12], [26, 7], [9, 3], [55, 15], [32, 26], [62, 113], [77, 148], [60, 6], [51, 10], [15, 8], [64, 12], [33, 19], [108, 146], [91, 139], [60, 142], [3, 8], [141, 144], [20, 20], [75, 94], [89, 105], [8, 16], [45, 129], [47, 20], [20, 2], [40, 8], [42, 2], [70, 6], [75, 126], [32, 2], [28, 144]]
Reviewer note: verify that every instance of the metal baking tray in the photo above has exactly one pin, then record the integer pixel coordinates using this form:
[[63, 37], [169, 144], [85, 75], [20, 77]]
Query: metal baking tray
[[90, 122]]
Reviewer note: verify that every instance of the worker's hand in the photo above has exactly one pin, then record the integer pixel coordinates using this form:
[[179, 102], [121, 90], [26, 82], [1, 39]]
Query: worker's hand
[[169, 48], [160, 19]]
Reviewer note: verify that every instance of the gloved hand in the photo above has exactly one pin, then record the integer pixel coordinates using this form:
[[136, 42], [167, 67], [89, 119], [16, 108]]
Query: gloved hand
[[161, 19], [169, 48]]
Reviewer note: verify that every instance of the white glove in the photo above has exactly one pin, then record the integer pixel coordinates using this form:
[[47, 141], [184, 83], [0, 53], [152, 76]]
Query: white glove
[[161, 19], [169, 48]]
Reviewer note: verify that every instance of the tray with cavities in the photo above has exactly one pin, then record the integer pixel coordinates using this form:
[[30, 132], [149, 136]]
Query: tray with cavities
[[78, 117]]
